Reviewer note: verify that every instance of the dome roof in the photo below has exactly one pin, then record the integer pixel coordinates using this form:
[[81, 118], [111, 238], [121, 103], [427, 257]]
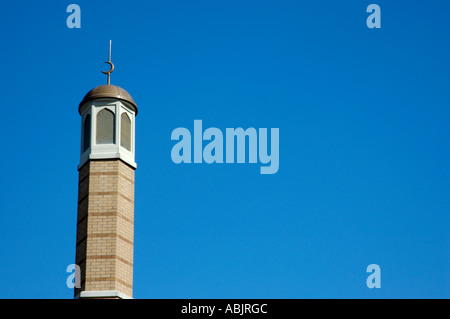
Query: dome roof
[[111, 92]]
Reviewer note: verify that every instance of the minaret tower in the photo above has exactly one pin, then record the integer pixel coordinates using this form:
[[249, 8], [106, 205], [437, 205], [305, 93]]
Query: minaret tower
[[105, 222]]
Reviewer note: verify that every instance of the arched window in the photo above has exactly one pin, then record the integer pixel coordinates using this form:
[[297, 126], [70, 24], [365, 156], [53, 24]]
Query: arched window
[[105, 127], [125, 131], [87, 132]]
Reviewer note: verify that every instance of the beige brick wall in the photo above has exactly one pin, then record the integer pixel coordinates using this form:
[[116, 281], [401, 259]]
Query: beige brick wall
[[105, 226]]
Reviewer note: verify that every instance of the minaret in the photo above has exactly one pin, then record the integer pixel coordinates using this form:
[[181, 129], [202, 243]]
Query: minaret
[[105, 222]]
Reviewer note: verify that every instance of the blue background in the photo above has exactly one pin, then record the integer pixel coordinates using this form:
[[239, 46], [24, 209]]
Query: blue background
[[364, 145]]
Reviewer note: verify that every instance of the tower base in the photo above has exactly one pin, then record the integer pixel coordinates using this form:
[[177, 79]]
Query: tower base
[[102, 294]]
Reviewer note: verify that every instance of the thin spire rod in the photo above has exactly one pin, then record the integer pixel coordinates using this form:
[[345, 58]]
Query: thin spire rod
[[110, 50], [111, 64]]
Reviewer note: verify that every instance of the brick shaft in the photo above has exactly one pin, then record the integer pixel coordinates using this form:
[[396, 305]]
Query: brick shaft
[[105, 226]]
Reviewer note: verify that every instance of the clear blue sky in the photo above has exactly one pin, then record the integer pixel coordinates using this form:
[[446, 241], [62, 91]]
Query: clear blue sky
[[364, 123]]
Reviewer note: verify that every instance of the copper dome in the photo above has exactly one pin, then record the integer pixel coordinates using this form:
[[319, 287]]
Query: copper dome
[[108, 91]]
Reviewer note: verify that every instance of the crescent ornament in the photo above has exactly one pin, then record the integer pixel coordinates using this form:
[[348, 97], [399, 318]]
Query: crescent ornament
[[111, 69]]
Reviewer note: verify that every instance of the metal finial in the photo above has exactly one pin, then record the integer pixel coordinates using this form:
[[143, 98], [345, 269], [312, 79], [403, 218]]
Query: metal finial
[[110, 63]]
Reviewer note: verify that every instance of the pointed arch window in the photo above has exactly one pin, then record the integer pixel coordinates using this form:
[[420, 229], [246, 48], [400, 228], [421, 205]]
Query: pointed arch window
[[105, 127], [87, 132], [125, 131]]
